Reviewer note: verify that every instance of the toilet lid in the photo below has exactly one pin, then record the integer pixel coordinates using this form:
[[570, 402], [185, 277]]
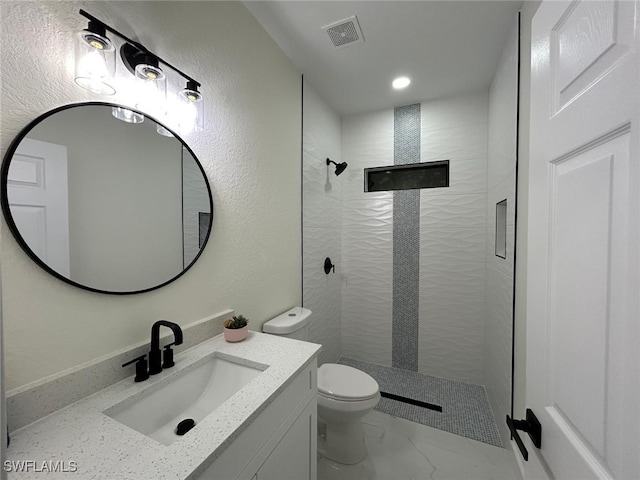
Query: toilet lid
[[345, 383]]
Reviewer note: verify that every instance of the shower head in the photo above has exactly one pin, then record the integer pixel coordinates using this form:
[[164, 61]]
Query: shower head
[[340, 167]]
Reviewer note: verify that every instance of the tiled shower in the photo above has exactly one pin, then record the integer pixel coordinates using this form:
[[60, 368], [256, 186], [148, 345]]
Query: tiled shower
[[445, 235], [417, 283]]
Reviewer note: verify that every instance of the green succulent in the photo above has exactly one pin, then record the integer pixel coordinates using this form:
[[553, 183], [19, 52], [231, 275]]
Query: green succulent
[[236, 322]]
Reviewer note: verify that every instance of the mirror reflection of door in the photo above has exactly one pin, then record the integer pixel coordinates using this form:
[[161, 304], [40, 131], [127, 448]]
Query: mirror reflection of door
[[39, 198]]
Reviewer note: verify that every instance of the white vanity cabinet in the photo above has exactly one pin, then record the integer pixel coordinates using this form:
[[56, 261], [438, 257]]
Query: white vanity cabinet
[[266, 430], [295, 455], [280, 443]]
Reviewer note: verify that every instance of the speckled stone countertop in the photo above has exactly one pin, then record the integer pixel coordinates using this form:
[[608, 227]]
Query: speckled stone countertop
[[81, 437]]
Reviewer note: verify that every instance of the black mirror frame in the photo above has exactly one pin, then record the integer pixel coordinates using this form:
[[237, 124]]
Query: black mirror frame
[[4, 199]]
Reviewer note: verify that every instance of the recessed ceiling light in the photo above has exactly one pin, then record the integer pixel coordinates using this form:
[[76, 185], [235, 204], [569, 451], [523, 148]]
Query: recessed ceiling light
[[401, 82]]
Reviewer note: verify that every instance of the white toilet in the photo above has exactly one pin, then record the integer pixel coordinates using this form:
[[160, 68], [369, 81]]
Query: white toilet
[[345, 394]]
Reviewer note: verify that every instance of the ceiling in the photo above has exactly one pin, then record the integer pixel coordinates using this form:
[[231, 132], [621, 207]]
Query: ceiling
[[445, 47]]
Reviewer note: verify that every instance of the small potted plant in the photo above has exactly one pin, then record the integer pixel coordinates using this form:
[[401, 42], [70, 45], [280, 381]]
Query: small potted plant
[[236, 329]]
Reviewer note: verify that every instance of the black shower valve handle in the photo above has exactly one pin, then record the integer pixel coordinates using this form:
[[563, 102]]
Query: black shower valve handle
[[328, 266]]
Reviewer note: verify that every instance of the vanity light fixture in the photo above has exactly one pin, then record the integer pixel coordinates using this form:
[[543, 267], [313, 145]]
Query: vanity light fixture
[[151, 87], [150, 77], [95, 59], [191, 108]]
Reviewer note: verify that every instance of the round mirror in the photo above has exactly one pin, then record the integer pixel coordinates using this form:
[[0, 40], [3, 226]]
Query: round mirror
[[101, 197]]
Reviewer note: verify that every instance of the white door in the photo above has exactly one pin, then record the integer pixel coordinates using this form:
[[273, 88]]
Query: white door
[[583, 340], [37, 188]]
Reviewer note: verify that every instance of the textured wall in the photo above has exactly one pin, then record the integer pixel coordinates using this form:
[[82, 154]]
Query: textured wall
[[322, 191], [250, 150], [501, 185], [367, 240], [452, 240]]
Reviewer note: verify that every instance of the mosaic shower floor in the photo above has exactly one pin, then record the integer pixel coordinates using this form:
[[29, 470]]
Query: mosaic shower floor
[[465, 406]]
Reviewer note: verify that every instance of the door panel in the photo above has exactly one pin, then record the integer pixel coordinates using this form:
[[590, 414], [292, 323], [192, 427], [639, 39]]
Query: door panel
[[584, 269], [589, 39], [583, 305], [37, 188]]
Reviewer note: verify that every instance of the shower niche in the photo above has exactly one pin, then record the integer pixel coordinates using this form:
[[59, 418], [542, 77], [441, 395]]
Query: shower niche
[[407, 177]]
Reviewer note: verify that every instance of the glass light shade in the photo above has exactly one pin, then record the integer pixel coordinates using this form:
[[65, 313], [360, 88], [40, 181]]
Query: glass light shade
[[151, 87], [127, 115], [95, 62], [190, 110]]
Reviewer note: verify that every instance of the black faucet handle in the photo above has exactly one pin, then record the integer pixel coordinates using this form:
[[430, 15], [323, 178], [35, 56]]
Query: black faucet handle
[[141, 368], [167, 356]]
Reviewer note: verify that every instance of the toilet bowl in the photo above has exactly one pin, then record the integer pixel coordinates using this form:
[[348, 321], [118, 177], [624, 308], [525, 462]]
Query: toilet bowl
[[345, 394]]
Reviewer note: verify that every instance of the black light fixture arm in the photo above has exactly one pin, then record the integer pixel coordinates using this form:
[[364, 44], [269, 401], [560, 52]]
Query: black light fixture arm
[[139, 46]]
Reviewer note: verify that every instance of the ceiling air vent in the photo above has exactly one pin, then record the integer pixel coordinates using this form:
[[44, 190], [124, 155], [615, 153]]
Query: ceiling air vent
[[345, 32]]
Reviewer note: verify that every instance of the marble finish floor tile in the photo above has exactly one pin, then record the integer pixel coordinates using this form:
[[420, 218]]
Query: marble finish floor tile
[[465, 406], [403, 450]]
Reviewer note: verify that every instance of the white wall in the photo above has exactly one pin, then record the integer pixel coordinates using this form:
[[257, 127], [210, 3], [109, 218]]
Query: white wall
[[501, 185], [452, 238], [250, 150], [322, 226]]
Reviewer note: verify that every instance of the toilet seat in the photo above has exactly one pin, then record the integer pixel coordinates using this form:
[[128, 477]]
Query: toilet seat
[[344, 383]]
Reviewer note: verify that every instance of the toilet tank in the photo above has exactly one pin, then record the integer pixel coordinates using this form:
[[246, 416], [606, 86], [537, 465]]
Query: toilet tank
[[293, 323]]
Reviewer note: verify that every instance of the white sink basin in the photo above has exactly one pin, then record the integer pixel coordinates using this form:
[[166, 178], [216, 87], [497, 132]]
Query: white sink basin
[[192, 393]]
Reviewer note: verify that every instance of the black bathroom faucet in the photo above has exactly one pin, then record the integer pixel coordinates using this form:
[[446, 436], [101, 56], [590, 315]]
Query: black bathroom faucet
[[155, 355]]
